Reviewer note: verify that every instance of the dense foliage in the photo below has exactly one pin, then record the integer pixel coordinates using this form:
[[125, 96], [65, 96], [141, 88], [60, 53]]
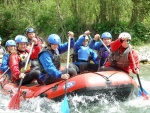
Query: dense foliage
[[60, 16]]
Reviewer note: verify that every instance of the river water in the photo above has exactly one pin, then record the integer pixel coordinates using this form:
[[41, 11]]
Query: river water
[[83, 104]]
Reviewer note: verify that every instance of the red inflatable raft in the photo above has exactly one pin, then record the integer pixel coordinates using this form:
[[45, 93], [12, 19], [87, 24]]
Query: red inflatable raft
[[116, 83]]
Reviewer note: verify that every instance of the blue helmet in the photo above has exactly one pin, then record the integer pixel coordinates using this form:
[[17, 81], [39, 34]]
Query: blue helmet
[[17, 37], [106, 35], [54, 39], [21, 38], [10, 43], [0, 39], [30, 30]]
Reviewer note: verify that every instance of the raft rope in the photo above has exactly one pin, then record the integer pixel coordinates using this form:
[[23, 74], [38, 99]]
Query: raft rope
[[106, 78]]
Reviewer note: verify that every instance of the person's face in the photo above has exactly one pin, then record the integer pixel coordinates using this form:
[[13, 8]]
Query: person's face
[[85, 43], [11, 48], [107, 41], [22, 46], [31, 35], [54, 46], [125, 43]]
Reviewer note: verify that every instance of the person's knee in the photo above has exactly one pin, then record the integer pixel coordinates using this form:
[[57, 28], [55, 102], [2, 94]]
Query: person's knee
[[36, 72], [73, 66], [102, 68], [72, 72]]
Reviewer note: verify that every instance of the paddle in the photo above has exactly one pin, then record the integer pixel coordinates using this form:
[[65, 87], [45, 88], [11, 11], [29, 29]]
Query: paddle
[[104, 45], [141, 88], [64, 104], [15, 100]]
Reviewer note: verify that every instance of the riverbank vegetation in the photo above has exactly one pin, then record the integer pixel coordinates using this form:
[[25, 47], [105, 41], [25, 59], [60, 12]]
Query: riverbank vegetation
[[60, 16]]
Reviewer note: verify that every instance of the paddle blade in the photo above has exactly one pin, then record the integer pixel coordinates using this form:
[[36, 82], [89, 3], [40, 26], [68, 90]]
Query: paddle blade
[[15, 101], [143, 94], [140, 92], [65, 106]]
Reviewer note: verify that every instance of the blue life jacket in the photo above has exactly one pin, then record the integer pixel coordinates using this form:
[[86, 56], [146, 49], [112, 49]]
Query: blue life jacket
[[83, 53]]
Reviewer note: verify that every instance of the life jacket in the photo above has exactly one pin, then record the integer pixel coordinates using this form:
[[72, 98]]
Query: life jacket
[[103, 55], [119, 60], [23, 60], [55, 58], [83, 54]]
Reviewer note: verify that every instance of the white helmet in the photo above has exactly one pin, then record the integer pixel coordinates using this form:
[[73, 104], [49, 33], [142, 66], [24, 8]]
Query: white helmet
[[125, 35], [86, 37]]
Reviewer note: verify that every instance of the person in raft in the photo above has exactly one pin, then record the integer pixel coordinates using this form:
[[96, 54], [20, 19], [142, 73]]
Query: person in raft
[[10, 48], [18, 59], [2, 51], [102, 51], [30, 33], [83, 55], [49, 58], [120, 57]]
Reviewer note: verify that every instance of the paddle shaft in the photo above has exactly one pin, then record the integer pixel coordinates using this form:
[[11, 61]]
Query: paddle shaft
[[65, 106], [68, 55], [135, 68], [25, 68], [104, 45], [90, 37], [139, 82]]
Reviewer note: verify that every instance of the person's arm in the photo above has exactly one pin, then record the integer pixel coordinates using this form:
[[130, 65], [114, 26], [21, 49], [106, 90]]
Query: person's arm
[[64, 47], [136, 59], [79, 43], [46, 61], [14, 65], [114, 45], [93, 44]]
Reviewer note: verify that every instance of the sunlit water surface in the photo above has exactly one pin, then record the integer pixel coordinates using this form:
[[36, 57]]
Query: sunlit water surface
[[82, 104]]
